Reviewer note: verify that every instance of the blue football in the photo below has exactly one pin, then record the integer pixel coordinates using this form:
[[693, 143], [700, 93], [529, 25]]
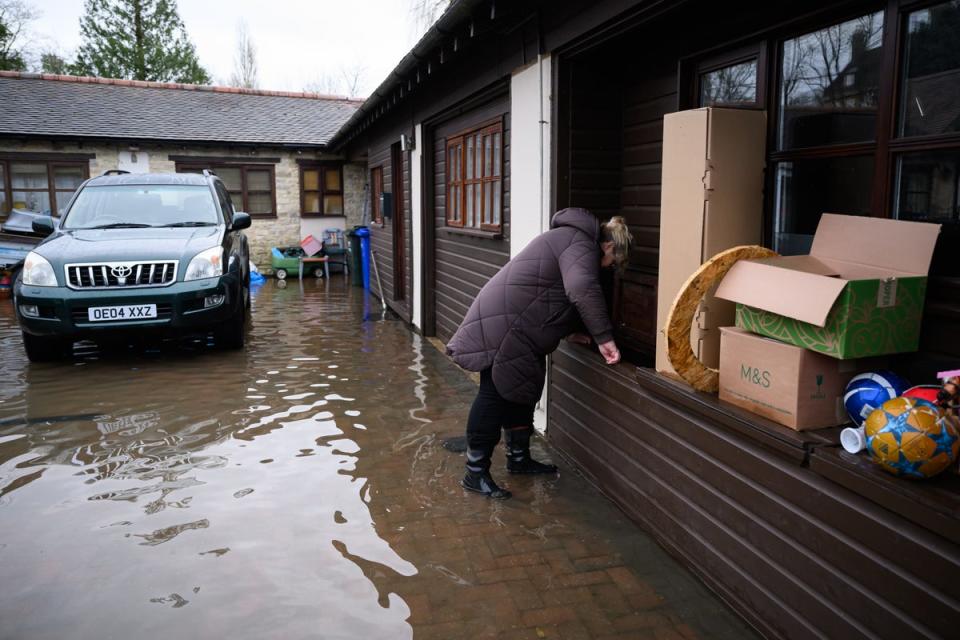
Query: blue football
[[868, 391]]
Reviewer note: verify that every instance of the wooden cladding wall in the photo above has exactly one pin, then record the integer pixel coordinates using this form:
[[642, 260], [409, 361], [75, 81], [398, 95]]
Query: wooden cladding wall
[[465, 261], [381, 236], [615, 146], [796, 554]]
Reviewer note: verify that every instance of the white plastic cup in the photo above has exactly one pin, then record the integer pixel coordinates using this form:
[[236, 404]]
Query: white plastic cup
[[853, 439]]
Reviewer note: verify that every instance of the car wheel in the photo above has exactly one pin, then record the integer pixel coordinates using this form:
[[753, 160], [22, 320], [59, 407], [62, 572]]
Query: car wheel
[[232, 333], [44, 349], [281, 274]]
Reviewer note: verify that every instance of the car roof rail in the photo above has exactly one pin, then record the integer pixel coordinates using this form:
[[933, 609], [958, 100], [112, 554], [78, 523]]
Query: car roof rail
[[114, 172], [209, 172]]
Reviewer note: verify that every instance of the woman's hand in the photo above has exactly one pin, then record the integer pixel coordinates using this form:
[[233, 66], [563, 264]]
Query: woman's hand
[[580, 338], [610, 352]]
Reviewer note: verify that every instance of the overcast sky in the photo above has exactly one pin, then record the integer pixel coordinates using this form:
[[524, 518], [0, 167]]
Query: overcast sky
[[298, 41]]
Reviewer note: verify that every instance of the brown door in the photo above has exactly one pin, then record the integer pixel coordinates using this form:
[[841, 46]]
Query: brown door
[[399, 225]]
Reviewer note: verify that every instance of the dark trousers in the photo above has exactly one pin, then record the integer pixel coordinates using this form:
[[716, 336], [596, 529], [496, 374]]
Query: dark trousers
[[490, 413]]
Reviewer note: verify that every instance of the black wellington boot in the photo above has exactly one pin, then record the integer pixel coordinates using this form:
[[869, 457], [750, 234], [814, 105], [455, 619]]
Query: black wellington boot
[[518, 453], [478, 479]]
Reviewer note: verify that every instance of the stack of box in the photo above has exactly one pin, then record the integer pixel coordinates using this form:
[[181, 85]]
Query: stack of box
[[806, 324]]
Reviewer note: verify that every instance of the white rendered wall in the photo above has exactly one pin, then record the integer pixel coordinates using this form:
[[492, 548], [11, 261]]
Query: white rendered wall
[[417, 225], [530, 169], [529, 153]]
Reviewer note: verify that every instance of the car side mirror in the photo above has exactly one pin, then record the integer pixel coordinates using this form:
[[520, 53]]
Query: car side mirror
[[241, 220], [43, 225]]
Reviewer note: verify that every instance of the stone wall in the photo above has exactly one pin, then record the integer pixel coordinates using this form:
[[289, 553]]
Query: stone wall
[[264, 233]]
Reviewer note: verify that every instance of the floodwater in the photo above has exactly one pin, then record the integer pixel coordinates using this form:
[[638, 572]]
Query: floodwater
[[298, 489]]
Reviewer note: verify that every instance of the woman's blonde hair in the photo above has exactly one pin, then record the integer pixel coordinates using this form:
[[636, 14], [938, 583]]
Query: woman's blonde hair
[[615, 230]]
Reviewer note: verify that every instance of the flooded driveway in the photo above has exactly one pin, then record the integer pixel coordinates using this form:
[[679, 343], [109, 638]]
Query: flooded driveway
[[298, 489]]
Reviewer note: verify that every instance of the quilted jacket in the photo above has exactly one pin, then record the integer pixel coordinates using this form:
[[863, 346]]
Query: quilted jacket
[[547, 291]]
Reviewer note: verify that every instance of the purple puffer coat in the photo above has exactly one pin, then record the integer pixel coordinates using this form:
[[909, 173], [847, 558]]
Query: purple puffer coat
[[547, 291]]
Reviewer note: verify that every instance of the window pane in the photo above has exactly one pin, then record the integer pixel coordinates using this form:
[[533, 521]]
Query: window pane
[[333, 205], [496, 203], [451, 165], [496, 154], [311, 202], [68, 178], [487, 155], [28, 176], [469, 218], [931, 73], [260, 203], [63, 199], [470, 158], [36, 201], [230, 177], [332, 179], [477, 194], [311, 180], [258, 180], [488, 203], [455, 203], [807, 188], [928, 186], [733, 85], [829, 84]]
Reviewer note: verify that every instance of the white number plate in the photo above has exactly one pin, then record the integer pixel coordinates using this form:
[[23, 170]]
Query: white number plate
[[125, 312]]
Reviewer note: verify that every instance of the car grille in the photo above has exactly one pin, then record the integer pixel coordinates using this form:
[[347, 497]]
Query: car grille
[[121, 275], [81, 315]]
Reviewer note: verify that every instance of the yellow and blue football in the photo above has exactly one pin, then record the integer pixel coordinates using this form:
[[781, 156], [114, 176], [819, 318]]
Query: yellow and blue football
[[911, 438]]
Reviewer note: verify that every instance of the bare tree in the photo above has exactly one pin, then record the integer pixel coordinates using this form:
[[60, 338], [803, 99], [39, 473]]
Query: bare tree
[[348, 81], [353, 78], [325, 83], [15, 15], [426, 12], [244, 60]]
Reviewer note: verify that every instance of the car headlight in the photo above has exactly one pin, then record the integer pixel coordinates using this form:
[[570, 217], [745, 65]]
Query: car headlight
[[38, 272], [206, 264]]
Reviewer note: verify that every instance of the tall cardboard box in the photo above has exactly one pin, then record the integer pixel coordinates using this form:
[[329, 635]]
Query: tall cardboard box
[[711, 200], [790, 385], [859, 292]]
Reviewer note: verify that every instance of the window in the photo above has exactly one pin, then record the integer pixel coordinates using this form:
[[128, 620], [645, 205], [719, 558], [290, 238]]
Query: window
[[826, 105], [39, 186], [252, 185], [730, 86], [321, 190], [474, 179], [376, 194]]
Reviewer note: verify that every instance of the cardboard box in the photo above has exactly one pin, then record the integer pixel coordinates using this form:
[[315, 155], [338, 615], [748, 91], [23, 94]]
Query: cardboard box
[[795, 387], [711, 199], [859, 293]]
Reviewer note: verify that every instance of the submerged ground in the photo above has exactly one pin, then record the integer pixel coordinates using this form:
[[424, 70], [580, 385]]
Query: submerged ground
[[298, 489]]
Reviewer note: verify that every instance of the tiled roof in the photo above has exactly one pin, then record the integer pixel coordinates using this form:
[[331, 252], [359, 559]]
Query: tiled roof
[[75, 107]]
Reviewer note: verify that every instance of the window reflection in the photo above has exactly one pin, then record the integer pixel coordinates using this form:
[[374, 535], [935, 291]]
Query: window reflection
[[829, 84], [730, 86], [928, 186], [931, 77], [805, 189]]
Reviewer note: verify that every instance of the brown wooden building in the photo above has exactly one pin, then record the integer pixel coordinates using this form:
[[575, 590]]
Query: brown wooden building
[[509, 111]]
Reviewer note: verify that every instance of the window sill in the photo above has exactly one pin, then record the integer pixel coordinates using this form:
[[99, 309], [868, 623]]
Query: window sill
[[263, 216], [322, 215], [475, 233]]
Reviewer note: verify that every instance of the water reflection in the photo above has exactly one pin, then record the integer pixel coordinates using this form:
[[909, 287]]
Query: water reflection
[[220, 485]]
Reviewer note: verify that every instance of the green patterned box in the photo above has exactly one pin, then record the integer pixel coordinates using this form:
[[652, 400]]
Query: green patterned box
[[858, 293], [855, 327]]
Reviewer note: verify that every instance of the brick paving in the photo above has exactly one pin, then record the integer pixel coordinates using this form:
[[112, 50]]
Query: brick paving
[[556, 561]]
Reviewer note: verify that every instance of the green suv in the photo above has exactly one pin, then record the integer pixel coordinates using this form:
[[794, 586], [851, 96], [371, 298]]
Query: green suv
[[135, 253]]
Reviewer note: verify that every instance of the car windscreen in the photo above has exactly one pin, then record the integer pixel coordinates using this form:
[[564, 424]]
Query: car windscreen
[[156, 205]]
